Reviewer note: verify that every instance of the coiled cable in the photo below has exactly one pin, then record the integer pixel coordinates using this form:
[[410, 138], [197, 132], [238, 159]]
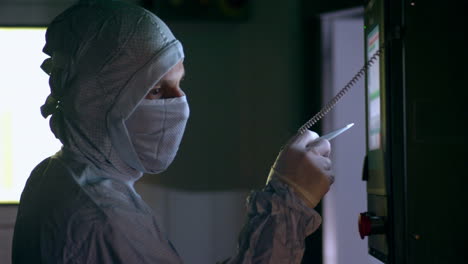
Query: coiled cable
[[341, 93]]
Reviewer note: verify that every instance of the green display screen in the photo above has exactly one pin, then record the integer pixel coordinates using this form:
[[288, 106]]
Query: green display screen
[[373, 92]]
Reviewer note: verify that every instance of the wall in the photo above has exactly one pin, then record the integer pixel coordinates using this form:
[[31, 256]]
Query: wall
[[203, 226], [243, 82], [343, 56], [7, 223]]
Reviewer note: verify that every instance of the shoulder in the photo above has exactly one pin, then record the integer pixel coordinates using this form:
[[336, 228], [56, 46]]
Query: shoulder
[[38, 170]]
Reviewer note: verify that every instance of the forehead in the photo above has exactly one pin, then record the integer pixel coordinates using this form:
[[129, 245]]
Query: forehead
[[177, 72]]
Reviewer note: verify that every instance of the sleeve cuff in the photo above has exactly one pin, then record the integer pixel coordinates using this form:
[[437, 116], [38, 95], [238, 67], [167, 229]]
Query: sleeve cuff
[[279, 198]]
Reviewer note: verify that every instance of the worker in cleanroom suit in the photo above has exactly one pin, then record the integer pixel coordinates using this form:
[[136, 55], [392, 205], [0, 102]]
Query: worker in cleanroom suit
[[117, 107]]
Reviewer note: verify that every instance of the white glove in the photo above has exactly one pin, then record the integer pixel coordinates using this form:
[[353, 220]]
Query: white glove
[[305, 166]]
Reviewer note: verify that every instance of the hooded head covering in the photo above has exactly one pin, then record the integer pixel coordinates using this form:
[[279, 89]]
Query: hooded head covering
[[105, 57]]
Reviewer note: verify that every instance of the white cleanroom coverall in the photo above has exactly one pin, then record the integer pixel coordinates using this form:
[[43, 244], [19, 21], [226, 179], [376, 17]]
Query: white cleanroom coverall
[[80, 205]]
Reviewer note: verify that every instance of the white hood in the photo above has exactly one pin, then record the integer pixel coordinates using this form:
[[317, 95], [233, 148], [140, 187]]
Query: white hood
[[106, 56]]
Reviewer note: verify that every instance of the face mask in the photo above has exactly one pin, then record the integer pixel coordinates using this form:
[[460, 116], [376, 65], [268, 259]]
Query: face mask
[[156, 128]]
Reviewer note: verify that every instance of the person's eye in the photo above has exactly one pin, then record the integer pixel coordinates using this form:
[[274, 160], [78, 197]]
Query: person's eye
[[155, 91]]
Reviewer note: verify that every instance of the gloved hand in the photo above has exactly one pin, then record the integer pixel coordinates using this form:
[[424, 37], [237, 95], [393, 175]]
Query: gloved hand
[[305, 166]]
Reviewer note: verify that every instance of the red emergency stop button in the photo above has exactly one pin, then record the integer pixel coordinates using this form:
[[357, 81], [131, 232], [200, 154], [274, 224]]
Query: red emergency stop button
[[371, 225], [364, 225]]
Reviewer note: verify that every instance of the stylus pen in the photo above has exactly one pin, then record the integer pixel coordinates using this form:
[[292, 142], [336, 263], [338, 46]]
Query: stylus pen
[[335, 133]]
